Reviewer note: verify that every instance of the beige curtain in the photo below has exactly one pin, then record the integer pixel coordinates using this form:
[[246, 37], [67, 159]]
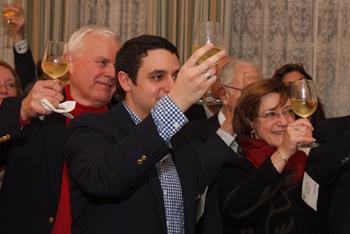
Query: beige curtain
[[45, 20], [312, 32], [176, 20], [49, 20], [332, 55], [6, 53], [271, 33], [126, 17]]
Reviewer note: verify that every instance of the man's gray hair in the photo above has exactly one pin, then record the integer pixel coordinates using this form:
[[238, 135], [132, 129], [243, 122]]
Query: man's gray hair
[[226, 75], [76, 41]]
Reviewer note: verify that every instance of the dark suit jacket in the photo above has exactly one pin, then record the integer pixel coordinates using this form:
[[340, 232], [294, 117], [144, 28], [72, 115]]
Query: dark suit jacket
[[326, 161], [261, 200], [196, 112], [115, 183], [34, 159], [328, 164], [211, 221], [25, 67]]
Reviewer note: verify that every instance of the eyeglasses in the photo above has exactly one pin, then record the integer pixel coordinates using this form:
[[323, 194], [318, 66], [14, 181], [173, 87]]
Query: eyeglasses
[[231, 87], [273, 115], [247, 78], [8, 85]]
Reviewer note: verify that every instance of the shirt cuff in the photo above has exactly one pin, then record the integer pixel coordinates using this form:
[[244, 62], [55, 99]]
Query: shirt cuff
[[227, 138], [22, 46], [168, 118], [22, 123]]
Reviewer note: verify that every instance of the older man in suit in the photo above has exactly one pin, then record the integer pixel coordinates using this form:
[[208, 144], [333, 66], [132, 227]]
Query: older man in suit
[[34, 197], [233, 77]]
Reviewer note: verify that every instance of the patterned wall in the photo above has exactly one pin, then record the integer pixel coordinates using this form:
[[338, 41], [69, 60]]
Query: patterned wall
[[126, 17], [315, 33]]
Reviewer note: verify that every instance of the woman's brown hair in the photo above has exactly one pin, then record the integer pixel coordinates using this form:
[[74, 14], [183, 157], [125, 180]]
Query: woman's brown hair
[[248, 103]]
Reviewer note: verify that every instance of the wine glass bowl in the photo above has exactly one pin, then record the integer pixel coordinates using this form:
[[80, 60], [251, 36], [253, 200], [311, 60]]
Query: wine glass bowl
[[208, 32], [303, 99], [54, 62], [8, 13]]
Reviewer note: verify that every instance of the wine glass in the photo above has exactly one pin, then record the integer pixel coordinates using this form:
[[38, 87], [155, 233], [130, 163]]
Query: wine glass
[[54, 62], [208, 32], [8, 11], [304, 102]]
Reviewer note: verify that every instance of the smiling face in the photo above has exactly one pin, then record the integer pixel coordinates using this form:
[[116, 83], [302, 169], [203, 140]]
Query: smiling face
[[272, 120], [92, 74], [154, 79], [7, 84]]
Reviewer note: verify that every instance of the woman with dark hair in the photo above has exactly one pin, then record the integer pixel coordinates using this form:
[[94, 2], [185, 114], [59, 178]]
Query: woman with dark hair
[[260, 191], [292, 72]]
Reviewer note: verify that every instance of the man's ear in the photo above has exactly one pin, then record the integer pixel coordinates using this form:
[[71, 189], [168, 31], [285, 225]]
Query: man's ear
[[224, 95], [70, 58], [124, 81]]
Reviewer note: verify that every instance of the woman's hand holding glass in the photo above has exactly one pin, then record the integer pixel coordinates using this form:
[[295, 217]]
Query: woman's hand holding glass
[[303, 98]]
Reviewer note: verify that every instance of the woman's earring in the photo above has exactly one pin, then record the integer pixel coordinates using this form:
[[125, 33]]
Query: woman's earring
[[252, 133]]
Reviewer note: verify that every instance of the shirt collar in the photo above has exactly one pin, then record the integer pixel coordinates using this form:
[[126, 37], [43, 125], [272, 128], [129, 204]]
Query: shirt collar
[[132, 114], [221, 117]]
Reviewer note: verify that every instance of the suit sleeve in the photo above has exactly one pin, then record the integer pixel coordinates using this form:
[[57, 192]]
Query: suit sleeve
[[326, 161], [211, 156], [25, 67], [9, 124], [106, 162]]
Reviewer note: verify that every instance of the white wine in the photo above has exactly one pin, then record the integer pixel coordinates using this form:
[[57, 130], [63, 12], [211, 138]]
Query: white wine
[[55, 70], [9, 12], [303, 108], [208, 54]]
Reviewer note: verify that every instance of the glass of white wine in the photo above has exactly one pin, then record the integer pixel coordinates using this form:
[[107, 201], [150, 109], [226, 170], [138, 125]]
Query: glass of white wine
[[208, 32], [303, 98], [8, 11], [54, 62]]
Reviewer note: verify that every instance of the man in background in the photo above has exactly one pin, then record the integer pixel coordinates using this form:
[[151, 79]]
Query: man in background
[[233, 77]]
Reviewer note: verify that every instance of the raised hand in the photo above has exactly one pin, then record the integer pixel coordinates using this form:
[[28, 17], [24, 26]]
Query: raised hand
[[193, 80], [299, 131], [31, 106], [17, 21]]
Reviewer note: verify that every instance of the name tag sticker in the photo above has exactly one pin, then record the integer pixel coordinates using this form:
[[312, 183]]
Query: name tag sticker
[[309, 191]]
